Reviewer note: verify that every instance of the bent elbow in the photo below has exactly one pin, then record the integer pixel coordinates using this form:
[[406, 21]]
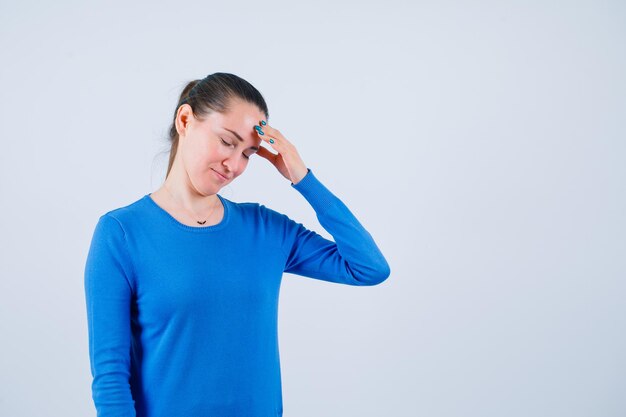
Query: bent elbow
[[376, 275], [382, 273]]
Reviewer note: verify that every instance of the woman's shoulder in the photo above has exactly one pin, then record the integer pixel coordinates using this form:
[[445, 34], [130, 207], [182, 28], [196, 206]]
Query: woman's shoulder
[[261, 211], [127, 212], [254, 207]]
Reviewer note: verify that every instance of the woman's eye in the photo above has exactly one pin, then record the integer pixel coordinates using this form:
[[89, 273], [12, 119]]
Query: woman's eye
[[230, 144], [226, 143]]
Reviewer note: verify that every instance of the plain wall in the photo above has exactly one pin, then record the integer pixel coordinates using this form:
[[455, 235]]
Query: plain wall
[[481, 143]]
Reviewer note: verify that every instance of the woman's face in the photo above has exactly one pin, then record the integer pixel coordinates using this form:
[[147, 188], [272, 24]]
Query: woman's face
[[217, 150]]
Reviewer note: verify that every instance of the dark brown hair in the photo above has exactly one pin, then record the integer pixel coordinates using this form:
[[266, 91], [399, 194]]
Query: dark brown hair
[[214, 93]]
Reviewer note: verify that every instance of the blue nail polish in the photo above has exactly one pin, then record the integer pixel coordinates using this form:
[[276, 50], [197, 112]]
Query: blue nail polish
[[271, 140], [257, 127], [261, 132], [263, 122]]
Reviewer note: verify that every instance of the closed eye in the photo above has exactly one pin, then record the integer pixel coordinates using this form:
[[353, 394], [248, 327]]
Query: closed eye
[[230, 144]]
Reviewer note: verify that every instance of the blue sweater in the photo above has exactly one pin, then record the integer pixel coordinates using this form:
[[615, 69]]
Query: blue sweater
[[182, 320]]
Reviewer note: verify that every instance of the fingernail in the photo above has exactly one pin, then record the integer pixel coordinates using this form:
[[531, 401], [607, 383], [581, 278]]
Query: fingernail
[[263, 122], [271, 140]]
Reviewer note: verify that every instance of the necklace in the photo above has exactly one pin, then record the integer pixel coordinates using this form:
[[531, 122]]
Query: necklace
[[188, 211]]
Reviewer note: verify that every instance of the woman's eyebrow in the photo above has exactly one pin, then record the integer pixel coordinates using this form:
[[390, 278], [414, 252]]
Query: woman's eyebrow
[[240, 138]]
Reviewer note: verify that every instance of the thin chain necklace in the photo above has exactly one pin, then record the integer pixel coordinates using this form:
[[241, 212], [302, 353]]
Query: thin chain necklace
[[188, 211]]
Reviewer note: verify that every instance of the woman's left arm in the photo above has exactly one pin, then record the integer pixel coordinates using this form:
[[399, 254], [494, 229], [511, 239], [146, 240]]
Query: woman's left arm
[[354, 258]]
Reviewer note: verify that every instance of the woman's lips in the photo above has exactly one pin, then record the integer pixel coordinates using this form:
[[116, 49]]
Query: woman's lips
[[220, 176]]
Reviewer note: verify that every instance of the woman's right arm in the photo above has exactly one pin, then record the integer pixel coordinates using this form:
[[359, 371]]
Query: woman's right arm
[[108, 295]]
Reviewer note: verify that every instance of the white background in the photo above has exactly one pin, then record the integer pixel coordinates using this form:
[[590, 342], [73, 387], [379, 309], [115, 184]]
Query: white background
[[482, 144]]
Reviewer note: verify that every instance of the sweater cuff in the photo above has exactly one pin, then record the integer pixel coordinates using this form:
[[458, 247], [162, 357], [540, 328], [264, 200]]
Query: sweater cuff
[[315, 192]]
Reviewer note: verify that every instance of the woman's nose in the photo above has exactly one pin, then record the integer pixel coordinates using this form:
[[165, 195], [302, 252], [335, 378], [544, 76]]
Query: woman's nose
[[232, 165]]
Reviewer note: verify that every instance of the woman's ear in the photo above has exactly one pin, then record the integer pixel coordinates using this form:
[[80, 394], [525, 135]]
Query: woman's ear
[[182, 119]]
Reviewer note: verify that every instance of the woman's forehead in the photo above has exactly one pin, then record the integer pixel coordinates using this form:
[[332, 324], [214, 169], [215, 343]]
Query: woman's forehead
[[239, 123], [241, 119], [242, 114]]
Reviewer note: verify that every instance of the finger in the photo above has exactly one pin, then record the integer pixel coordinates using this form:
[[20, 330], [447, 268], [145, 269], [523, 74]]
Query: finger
[[265, 153], [274, 142], [270, 131]]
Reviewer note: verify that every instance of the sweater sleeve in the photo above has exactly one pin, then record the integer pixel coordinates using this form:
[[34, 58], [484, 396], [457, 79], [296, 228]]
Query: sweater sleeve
[[352, 259], [108, 298]]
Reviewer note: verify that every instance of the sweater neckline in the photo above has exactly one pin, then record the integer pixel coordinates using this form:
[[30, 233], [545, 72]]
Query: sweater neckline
[[204, 229]]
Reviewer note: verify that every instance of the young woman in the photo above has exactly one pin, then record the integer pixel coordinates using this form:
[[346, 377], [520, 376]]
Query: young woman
[[182, 285]]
